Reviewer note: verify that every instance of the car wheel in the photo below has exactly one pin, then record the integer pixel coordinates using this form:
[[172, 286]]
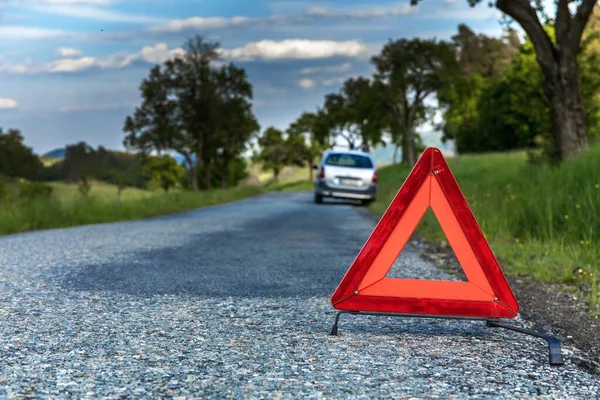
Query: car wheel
[[318, 198], [366, 202]]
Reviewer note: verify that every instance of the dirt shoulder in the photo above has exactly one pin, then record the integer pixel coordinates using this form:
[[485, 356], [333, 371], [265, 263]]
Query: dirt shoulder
[[553, 308]]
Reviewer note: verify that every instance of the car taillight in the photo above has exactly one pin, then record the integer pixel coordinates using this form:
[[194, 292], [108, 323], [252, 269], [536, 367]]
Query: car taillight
[[322, 173], [374, 178]]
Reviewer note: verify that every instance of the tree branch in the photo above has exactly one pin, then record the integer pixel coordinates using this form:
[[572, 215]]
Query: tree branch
[[522, 12], [584, 11], [563, 25]]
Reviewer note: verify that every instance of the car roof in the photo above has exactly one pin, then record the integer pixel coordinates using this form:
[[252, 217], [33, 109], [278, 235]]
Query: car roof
[[344, 151]]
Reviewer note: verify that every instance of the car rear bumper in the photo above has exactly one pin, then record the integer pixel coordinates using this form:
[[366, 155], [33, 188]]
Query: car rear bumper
[[325, 190]]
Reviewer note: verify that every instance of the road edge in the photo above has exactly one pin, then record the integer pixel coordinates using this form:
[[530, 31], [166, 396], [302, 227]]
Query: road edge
[[549, 307]]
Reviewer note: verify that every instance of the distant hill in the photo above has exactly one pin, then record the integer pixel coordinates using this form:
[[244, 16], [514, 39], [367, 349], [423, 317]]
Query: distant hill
[[56, 153], [383, 154]]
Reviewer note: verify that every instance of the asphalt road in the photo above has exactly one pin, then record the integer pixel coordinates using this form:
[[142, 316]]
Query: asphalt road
[[233, 302]]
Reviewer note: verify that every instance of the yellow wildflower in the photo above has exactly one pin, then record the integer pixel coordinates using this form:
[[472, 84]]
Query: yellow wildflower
[[597, 186], [566, 217], [578, 206], [580, 270], [582, 241]]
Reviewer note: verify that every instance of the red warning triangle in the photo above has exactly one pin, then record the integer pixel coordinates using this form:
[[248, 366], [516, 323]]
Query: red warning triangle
[[365, 286]]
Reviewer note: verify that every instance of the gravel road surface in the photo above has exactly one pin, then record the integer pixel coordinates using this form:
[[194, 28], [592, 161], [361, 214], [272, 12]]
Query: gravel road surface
[[233, 302]]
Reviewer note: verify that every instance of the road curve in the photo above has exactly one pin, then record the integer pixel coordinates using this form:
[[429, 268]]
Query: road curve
[[232, 301]]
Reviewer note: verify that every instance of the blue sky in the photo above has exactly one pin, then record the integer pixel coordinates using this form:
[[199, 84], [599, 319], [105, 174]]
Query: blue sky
[[70, 69]]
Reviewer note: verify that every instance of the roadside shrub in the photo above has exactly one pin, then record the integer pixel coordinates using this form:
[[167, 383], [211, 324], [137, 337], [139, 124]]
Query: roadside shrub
[[28, 191]]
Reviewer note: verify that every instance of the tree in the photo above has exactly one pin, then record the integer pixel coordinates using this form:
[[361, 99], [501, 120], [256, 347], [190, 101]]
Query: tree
[[484, 62], [334, 122], [236, 124], [407, 72], [164, 171], [557, 58], [276, 151], [306, 126], [197, 110], [16, 159], [488, 57], [363, 111], [511, 111]]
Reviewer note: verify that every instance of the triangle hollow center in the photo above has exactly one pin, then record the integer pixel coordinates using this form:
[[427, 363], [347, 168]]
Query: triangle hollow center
[[416, 256], [375, 282]]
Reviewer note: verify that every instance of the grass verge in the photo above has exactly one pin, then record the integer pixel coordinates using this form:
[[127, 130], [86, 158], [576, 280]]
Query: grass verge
[[65, 209], [540, 223]]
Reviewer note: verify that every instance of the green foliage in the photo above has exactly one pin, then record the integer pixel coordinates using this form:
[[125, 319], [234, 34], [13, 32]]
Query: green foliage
[[277, 151], [307, 126], [16, 159], [164, 172], [34, 190], [510, 111], [408, 71], [114, 167], [197, 110]]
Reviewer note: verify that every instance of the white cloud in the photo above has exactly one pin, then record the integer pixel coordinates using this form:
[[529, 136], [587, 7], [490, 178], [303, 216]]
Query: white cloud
[[463, 12], [178, 25], [392, 10], [306, 83], [96, 13], [150, 54], [308, 15], [297, 49], [268, 49], [334, 81], [332, 68], [93, 107], [5, 102], [28, 32], [67, 52]]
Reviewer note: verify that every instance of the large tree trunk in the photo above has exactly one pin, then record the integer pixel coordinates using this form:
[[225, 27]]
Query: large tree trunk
[[225, 174], [558, 62], [310, 170], [395, 156], [207, 176], [409, 151], [193, 168], [561, 88], [194, 177]]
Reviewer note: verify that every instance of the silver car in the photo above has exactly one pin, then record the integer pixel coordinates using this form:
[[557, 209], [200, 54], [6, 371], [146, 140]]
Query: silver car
[[346, 174]]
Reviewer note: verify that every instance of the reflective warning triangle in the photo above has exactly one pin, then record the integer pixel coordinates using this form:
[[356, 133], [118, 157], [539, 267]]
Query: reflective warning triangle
[[365, 286]]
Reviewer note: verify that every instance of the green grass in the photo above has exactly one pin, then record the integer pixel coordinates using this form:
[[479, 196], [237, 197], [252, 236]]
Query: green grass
[[68, 192], [541, 223], [66, 207], [290, 186]]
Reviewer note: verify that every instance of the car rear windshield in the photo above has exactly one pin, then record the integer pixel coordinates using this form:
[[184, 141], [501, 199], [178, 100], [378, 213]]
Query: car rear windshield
[[349, 160]]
